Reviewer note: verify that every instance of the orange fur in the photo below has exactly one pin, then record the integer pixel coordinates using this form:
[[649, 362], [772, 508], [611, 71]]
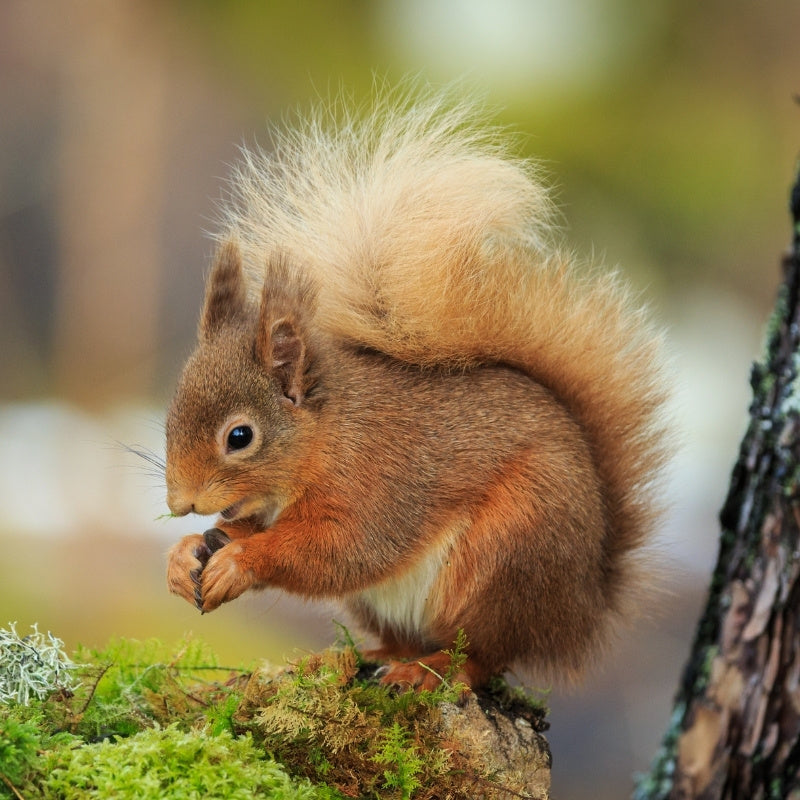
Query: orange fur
[[453, 427]]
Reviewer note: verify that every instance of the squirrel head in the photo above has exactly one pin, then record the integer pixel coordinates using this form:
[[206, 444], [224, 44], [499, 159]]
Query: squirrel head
[[240, 415]]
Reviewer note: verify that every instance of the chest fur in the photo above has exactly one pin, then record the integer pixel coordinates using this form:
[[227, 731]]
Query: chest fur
[[408, 602]]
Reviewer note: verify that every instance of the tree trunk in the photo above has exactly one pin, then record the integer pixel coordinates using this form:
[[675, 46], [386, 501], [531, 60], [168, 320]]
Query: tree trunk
[[736, 722]]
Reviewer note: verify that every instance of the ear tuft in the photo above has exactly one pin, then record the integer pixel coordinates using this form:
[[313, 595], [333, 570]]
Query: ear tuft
[[226, 295]]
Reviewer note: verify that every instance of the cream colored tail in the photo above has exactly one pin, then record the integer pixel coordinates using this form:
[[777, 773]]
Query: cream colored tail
[[431, 243]]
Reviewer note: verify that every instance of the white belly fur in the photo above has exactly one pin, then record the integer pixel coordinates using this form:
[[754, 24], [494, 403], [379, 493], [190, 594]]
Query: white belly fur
[[408, 602]]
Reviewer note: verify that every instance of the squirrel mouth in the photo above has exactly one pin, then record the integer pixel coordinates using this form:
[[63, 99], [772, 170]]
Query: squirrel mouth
[[267, 511]]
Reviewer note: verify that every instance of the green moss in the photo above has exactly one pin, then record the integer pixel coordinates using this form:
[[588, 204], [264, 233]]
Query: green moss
[[329, 719], [774, 324], [140, 720], [147, 721], [158, 764], [19, 746], [129, 686], [523, 702]]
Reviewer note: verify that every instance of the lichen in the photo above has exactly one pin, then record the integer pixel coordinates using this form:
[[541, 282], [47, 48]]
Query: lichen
[[31, 666]]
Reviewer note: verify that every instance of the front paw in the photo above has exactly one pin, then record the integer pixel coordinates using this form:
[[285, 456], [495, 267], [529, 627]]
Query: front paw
[[224, 578], [185, 562]]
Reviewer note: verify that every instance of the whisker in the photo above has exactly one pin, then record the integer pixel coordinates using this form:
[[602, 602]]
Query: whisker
[[149, 456]]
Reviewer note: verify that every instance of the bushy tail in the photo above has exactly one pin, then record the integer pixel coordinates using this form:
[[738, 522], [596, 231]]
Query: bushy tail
[[431, 243]]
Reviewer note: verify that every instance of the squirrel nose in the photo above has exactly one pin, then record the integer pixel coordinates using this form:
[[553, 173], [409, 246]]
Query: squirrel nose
[[180, 502]]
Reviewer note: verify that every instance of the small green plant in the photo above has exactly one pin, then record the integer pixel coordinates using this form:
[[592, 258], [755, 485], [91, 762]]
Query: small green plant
[[458, 655], [31, 666], [220, 714], [403, 762]]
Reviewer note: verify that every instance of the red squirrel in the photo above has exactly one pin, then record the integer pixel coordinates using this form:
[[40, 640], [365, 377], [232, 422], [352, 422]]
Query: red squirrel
[[407, 397]]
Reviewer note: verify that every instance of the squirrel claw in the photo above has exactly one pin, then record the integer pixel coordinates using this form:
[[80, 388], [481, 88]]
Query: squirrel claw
[[215, 539], [185, 563], [223, 579], [202, 553]]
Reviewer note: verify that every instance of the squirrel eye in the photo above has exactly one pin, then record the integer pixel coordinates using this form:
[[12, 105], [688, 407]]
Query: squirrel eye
[[240, 437]]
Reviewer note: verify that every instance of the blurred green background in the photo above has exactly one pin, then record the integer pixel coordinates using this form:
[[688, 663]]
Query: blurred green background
[[669, 129]]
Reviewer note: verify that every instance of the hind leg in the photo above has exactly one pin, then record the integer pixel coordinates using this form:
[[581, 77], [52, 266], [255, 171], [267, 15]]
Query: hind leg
[[414, 665], [429, 671]]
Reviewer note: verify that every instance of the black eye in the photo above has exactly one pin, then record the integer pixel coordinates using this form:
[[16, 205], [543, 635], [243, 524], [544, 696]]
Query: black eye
[[240, 437]]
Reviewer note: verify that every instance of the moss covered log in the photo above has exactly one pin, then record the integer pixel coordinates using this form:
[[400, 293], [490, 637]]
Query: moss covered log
[[139, 720]]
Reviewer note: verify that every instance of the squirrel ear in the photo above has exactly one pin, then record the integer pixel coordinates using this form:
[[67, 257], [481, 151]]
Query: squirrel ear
[[286, 357], [226, 296], [281, 342]]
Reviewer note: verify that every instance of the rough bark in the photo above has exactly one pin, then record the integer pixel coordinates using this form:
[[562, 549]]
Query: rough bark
[[736, 723]]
